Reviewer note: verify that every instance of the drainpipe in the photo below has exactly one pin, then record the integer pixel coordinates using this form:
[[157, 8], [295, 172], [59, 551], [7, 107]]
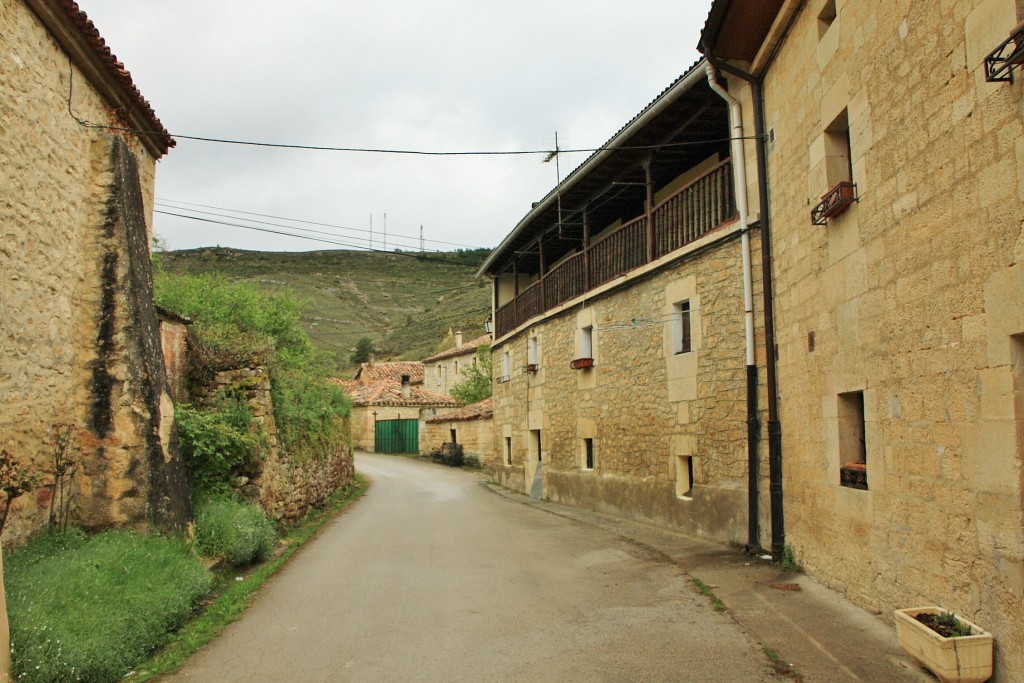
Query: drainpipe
[[774, 427], [753, 422]]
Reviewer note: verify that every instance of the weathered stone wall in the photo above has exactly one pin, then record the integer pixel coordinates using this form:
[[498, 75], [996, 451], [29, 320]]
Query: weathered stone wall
[[285, 485], [66, 255], [475, 436], [644, 406], [914, 298], [174, 342]]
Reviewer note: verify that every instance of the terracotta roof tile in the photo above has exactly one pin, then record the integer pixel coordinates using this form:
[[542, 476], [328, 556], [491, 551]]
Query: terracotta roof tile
[[369, 373], [484, 410], [389, 393], [113, 66], [467, 348]]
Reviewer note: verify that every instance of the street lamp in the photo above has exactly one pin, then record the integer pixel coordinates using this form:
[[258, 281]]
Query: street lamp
[[489, 324]]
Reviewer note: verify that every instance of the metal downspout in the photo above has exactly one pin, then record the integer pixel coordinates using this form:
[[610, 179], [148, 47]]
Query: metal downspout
[[774, 427], [753, 421]]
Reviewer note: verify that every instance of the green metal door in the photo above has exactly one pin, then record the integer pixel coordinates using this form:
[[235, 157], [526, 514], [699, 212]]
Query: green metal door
[[397, 436]]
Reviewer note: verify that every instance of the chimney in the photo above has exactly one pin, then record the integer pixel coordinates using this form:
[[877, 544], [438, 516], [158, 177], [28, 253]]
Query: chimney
[[458, 341], [405, 386]]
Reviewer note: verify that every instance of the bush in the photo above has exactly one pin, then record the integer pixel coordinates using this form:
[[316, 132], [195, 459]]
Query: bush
[[90, 609], [239, 533], [450, 454], [475, 384], [216, 442]]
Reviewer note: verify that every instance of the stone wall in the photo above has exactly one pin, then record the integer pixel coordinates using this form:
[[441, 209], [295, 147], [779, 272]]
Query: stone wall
[[74, 337], [285, 485], [912, 299], [475, 436], [645, 408]]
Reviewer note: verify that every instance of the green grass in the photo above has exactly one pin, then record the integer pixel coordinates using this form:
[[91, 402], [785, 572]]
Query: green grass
[[789, 562], [236, 532], [404, 305], [235, 596], [89, 609], [716, 604]]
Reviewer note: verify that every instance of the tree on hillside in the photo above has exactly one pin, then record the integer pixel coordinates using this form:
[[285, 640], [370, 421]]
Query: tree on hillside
[[363, 351], [475, 383]]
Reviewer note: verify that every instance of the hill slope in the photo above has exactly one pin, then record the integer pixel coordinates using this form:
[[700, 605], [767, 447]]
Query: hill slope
[[404, 304]]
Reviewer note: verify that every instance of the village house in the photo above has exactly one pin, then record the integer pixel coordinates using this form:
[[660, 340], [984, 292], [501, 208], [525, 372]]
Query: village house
[[471, 427], [891, 147], [390, 407], [443, 370], [79, 338], [627, 353]]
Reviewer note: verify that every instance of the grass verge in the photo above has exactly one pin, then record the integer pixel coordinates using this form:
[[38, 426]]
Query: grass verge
[[234, 596], [717, 604]]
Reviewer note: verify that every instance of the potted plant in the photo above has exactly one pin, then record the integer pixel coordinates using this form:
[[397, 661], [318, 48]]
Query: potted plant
[[952, 648]]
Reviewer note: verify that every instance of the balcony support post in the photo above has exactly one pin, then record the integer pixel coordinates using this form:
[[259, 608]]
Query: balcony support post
[[586, 249], [649, 182]]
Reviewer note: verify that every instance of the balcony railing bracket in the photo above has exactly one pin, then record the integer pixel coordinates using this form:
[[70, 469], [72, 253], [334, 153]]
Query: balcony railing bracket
[[837, 200], [1010, 53]]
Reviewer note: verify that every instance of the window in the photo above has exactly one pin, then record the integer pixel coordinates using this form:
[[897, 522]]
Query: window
[[531, 353], [587, 342], [826, 18], [682, 339], [454, 439], [506, 365], [588, 454], [838, 156], [456, 370], [853, 460], [535, 444], [508, 450], [684, 477]]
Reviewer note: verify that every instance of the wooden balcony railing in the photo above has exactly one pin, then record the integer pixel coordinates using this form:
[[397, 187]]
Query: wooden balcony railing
[[687, 215]]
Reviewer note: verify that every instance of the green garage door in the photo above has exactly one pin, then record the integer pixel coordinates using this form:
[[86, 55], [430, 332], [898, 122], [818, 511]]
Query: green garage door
[[397, 436]]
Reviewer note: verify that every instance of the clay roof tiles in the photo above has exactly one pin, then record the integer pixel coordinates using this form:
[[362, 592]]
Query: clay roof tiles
[[484, 410], [467, 348], [389, 393], [370, 373], [98, 48]]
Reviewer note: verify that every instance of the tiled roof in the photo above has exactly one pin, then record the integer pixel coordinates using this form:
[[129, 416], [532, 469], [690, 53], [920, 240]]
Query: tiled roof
[[389, 393], [484, 410], [57, 10], [370, 373], [467, 348]]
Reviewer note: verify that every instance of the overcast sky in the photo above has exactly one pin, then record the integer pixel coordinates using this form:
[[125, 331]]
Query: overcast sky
[[445, 75]]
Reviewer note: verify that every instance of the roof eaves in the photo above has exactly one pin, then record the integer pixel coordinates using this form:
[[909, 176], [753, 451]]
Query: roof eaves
[[80, 38], [679, 87]]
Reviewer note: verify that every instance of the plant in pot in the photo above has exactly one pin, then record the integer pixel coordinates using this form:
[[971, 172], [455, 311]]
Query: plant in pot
[[952, 648]]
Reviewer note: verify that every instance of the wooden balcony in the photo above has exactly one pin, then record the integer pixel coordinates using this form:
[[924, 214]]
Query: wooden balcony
[[690, 213]]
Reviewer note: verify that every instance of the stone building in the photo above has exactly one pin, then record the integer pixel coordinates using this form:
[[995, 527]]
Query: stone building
[[626, 349], [389, 408], [892, 139], [443, 370], [79, 339], [472, 427]]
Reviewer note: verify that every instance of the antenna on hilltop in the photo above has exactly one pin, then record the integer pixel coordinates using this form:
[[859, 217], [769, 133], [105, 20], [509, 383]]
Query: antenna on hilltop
[[421, 238]]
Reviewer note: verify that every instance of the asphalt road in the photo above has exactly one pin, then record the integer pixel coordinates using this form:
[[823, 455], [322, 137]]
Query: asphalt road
[[432, 577]]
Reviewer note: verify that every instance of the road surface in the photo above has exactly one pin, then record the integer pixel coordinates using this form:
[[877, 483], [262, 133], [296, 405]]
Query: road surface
[[432, 577]]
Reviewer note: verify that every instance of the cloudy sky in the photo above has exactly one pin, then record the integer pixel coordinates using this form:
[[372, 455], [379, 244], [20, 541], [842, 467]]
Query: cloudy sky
[[445, 75]]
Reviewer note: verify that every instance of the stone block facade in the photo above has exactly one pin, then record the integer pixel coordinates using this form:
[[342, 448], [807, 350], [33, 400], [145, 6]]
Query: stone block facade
[[78, 332], [646, 432], [901, 322]]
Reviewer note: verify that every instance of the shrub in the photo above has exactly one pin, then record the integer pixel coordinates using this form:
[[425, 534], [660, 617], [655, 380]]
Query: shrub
[[90, 609], [215, 443], [475, 383], [239, 533]]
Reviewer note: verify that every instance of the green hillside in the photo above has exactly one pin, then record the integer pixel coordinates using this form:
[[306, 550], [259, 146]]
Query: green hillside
[[404, 302]]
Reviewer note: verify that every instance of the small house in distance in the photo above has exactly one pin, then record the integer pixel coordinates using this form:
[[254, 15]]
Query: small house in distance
[[442, 371], [471, 427], [390, 407]]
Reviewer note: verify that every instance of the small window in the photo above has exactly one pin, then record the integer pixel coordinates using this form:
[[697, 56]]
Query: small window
[[682, 338], [506, 364], [456, 368], [588, 454], [587, 342], [453, 435], [531, 355], [508, 450], [684, 477], [838, 155], [826, 18], [853, 453], [535, 444]]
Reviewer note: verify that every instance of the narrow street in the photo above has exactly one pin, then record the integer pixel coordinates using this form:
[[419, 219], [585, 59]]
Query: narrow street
[[431, 577]]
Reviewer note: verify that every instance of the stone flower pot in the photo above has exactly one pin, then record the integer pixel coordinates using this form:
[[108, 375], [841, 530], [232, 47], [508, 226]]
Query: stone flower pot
[[962, 659]]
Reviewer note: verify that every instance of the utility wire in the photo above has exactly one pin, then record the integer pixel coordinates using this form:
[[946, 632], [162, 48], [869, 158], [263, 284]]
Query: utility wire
[[295, 220]]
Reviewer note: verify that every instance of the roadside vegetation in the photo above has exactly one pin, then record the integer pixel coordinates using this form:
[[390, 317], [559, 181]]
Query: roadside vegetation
[[475, 383]]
